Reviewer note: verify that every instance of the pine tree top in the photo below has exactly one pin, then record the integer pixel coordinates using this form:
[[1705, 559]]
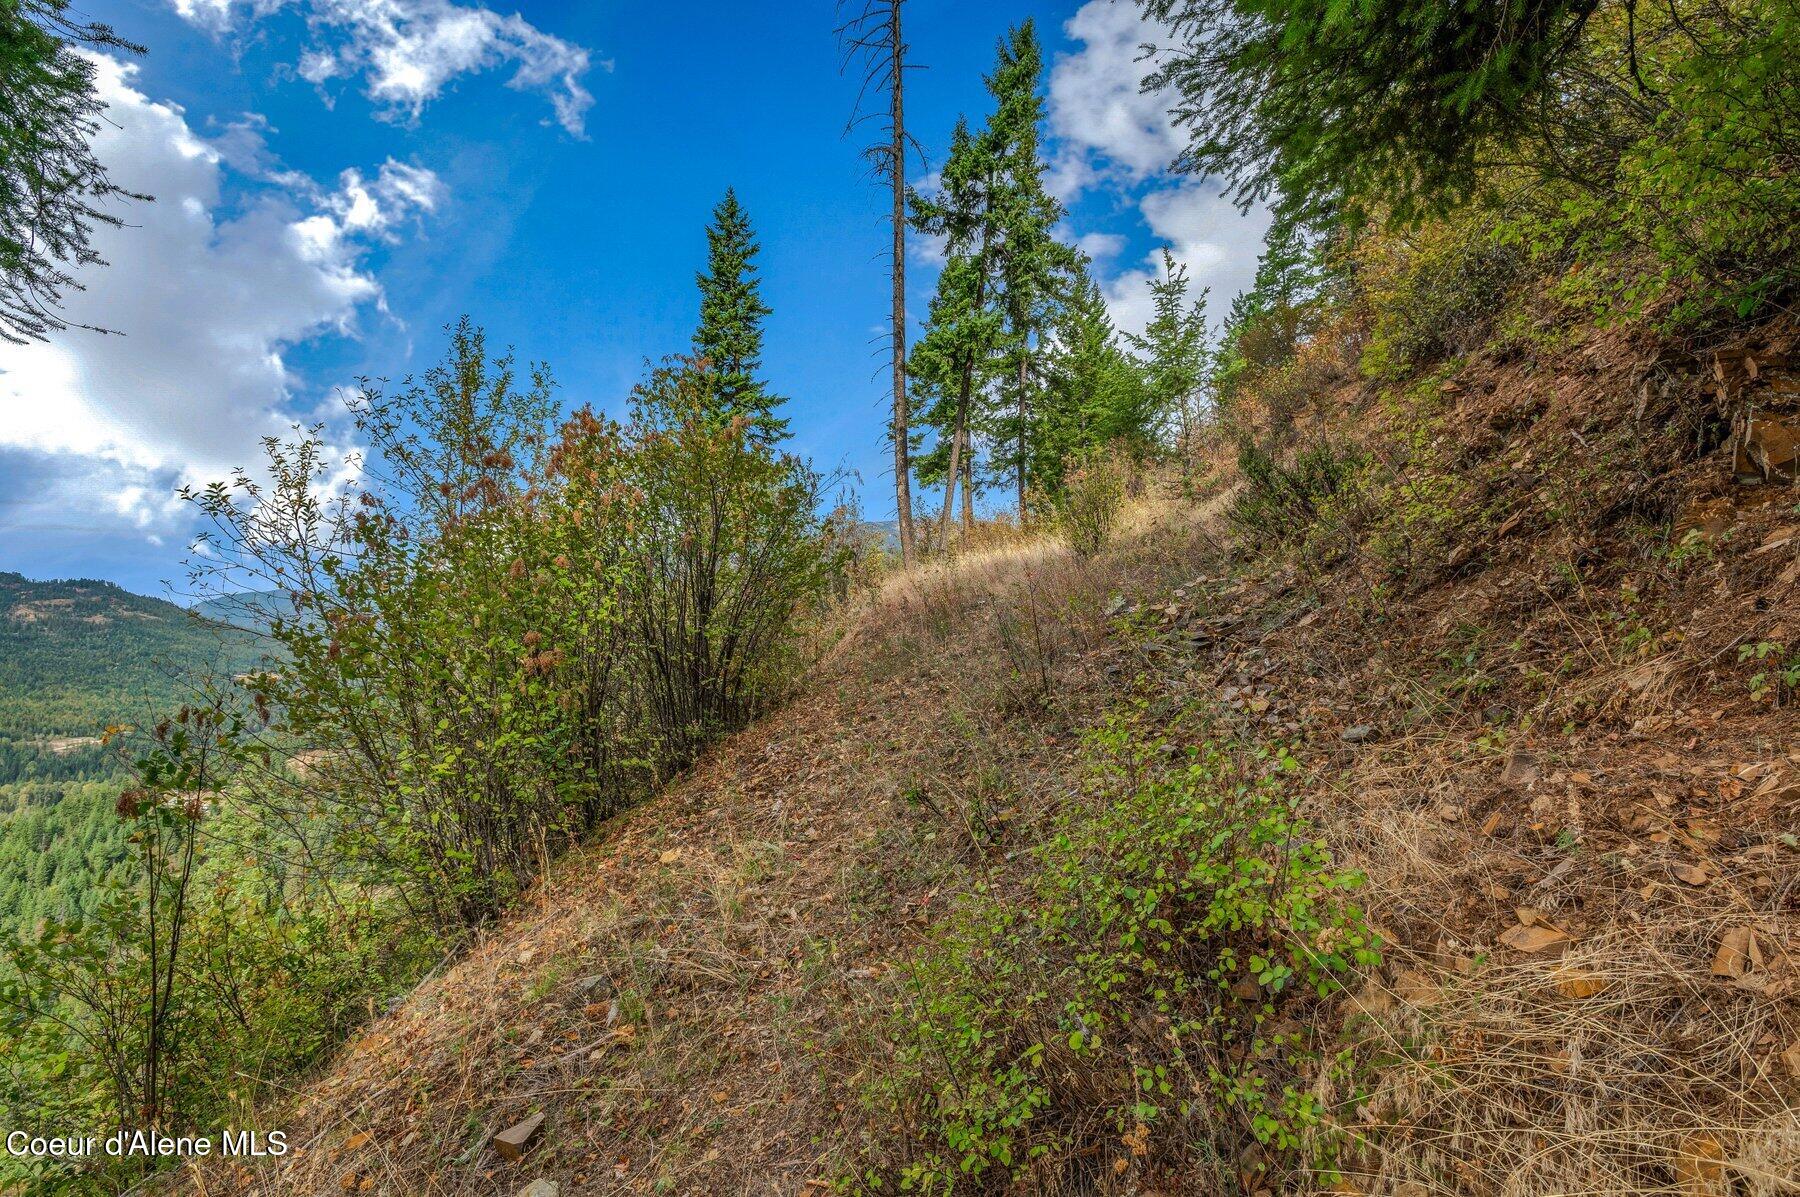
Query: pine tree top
[[728, 341]]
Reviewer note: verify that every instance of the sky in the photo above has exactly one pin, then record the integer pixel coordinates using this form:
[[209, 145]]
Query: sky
[[337, 180]]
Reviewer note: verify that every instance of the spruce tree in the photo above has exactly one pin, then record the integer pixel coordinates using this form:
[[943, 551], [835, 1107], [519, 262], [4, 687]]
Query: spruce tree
[[1094, 393], [1004, 277], [1033, 269], [954, 360], [728, 342], [1173, 348]]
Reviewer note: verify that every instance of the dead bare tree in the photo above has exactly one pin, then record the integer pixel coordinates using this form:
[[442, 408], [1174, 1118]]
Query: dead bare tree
[[871, 42]]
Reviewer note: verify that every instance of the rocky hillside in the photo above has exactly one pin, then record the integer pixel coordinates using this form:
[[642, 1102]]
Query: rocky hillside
[[1527, 676]]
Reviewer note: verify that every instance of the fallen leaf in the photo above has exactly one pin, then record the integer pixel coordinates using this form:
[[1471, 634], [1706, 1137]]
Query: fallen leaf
[[1531, 916], [1579, 983], [1536, 939], [1736, 947], [1703, 830], [1700, 1166]]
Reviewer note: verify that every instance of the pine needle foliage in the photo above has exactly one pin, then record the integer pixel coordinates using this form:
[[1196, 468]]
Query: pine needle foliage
[[53, 192]]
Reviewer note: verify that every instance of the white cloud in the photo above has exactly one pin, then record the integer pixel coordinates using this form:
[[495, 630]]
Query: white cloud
[[408, 51], [1103, 123], [1106, 132], [209, 293], [1207, 234], [1100, 247]]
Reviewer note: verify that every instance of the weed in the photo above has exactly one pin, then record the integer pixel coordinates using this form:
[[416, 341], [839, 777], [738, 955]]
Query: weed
[[1777, 678], [1164, 938]]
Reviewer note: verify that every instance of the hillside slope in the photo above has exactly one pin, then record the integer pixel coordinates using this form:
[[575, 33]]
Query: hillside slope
[[1521, 705], [76, 655]]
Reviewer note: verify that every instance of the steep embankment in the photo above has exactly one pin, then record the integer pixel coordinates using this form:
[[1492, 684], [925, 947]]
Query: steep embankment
[[1535, 686]]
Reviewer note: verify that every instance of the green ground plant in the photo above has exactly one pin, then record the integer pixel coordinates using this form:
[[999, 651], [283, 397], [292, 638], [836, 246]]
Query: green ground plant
[[1144, 984]]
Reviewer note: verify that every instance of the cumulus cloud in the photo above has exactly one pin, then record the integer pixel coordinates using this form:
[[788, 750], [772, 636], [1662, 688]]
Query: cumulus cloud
[[210, 287], [1104, 125], [1100, 247], [407, 51], [1106, 132], [1204, 232]]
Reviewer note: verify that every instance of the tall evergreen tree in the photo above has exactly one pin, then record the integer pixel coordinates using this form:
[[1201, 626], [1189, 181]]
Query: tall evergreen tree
[[1004, 277], [1173, 348], [1094, 393], [954, 361], [728, 343], [1033, 268]]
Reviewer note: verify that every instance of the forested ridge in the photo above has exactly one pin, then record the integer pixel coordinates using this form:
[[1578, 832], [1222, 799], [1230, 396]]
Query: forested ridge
[[78, 657], [1355, 753]]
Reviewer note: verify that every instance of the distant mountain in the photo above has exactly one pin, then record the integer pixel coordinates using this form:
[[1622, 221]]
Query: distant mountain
[[251, 609], [77, 655]]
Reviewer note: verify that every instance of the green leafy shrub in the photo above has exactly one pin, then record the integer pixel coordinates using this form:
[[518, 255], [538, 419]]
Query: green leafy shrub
[[1434, 292], [1677, 189], [724, 551], [515, 627], [1159, 980], [1279, 502], [1422, 518]]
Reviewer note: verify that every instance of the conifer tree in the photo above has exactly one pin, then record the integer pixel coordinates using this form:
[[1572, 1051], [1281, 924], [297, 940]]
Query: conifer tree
[[728, 342], [1173, 347], [1320, 104], [53, 191], [953, 362], [1094, 393], [1033, 268], [1004, 276]]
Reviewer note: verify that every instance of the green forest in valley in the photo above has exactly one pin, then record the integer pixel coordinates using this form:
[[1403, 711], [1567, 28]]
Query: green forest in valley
[[78, 658], [1338, 737]]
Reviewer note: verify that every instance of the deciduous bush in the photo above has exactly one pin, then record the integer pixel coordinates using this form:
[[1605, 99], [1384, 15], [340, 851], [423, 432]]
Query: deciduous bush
[[1156, 989], [1283, 502], [1092, 498], [1434, 292]]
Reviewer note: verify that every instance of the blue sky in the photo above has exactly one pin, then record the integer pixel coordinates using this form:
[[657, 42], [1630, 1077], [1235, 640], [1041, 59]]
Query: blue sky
[[337, 179]]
